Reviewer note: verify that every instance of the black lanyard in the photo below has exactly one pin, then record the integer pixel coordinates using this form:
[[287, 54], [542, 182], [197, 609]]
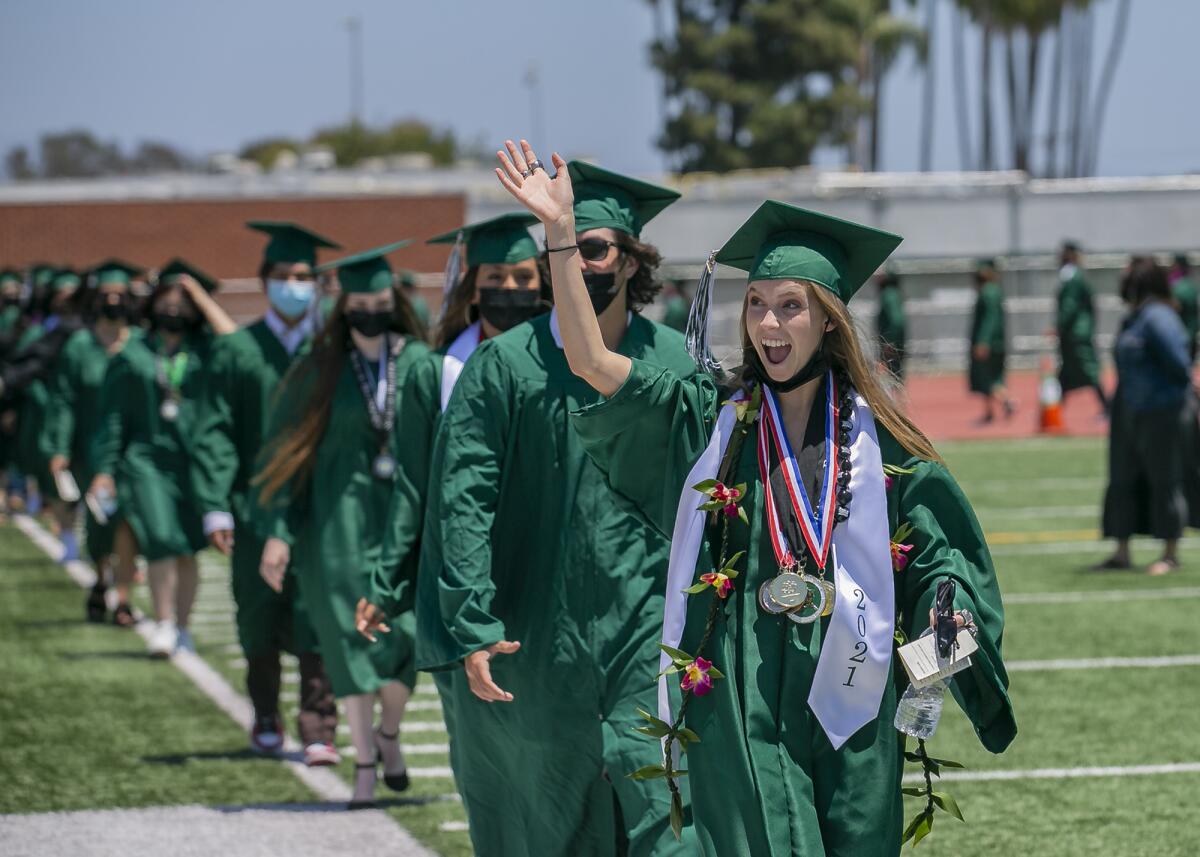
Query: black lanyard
[[384, 421]]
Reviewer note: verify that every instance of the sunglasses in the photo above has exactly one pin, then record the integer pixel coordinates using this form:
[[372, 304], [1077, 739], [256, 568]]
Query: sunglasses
[[946, 628], [595, 249]]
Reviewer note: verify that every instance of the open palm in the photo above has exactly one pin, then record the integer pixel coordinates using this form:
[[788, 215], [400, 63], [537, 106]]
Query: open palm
[[549, 199]]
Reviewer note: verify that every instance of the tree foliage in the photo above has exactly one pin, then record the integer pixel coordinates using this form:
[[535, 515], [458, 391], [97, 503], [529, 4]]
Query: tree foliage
[[79, 154]]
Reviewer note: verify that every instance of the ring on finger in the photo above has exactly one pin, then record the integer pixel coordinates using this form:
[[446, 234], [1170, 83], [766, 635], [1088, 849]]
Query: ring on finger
[[526, 173], [536, 165]]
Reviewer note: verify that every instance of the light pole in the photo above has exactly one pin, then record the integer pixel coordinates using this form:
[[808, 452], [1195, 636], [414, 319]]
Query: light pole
[[354, 29], [533, 82]]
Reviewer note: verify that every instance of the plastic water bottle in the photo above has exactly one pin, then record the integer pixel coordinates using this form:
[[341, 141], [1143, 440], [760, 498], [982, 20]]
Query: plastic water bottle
[[919, 710]]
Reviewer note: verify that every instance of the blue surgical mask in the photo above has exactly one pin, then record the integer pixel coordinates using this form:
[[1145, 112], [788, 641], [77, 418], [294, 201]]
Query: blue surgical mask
[[290, 297]]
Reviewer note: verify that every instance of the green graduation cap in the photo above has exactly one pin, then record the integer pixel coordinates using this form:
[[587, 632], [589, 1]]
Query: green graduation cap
[[291, 242], [9, 275], [607, 199], [65, 278], [503, 240], [784, 242], [367, 271], [178, 266], [114, 271], [40, 274]]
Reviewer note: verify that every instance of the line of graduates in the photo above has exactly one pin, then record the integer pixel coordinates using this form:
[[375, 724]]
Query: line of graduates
[[503, 513]]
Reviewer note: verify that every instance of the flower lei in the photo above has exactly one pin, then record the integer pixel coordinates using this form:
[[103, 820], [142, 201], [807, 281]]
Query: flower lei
[[699, 673]]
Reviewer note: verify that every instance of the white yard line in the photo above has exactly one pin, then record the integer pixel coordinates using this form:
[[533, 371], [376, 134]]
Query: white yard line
[[1065, 773], [323, 782], [1081, 546], [1169, 593], [454, 827], [1102, 663], [435, 773], [1036, 512]]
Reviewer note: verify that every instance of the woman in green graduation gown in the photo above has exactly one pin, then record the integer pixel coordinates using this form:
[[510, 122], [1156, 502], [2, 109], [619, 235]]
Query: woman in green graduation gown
[[1075, 326], [789, 713], [340, 442], [74, 417], [549, 585], [503, 286], [142, 450]]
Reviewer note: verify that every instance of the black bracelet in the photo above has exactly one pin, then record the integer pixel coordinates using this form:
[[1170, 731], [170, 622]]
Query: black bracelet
[[560, 249]]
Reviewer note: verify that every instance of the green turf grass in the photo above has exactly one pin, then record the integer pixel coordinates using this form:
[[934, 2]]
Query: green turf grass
[[89, 721]]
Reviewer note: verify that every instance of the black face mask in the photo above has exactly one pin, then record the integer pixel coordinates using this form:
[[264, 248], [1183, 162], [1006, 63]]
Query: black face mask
[[115, 312], [174, 323], [9, 300], [602, 289], [370, 323], [504, 309], [814, 368]]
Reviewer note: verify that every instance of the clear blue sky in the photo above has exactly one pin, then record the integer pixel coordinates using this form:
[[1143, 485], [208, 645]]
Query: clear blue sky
[[212, 75]]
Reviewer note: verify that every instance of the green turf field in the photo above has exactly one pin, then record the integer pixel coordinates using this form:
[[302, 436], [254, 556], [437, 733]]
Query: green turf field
[[139, 734]]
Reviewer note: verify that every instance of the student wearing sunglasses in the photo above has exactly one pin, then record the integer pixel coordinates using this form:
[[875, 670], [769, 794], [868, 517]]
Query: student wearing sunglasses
[[548, 585]]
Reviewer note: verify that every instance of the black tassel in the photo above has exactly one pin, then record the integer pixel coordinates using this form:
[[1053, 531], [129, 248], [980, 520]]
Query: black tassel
[[697, 335]]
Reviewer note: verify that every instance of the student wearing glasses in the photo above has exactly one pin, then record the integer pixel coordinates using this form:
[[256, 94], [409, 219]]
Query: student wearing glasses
[[547, 584], [784, 486]]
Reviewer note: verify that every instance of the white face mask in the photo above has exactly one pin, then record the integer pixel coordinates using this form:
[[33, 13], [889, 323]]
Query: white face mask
[[290, 297]]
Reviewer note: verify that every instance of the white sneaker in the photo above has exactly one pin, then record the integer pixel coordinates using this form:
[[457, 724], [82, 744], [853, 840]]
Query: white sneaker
[[184, 641], [163, 639]]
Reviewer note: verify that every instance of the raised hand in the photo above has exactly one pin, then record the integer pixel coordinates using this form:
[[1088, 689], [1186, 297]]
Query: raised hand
[[552, 200]]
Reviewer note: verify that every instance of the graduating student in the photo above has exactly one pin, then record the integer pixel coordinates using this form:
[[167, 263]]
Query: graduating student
[[243, 373], [143, 450], [74, 417], [989, 343], [891, 325], [781, 604], [1187, 299], [503, 286], [1076, 327], [549, 586], [338, 442], [10, 300]]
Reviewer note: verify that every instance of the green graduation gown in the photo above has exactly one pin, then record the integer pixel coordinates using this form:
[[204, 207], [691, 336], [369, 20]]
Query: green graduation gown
[[530, 544], [765, 780], [1076, 323], [149, 457], [9, 316], [73, 418], [987, 328], [1188, 298], [338, 522], [676, 315], [31, 416], [892, 329], [244, 371]]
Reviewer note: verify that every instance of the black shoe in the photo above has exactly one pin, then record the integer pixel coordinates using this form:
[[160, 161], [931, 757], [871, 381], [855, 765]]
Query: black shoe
[[123, 616], [397, 782], [96, 607]]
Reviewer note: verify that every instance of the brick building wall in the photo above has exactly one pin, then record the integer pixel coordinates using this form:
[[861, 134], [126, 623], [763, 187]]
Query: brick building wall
[[211, 233]]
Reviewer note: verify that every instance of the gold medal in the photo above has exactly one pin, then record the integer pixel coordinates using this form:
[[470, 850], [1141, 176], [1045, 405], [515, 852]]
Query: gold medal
[[830, 597]]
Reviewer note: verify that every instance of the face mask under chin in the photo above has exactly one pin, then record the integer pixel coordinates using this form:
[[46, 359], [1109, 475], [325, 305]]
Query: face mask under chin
[[504, 309], [602, 289], [814, 368]]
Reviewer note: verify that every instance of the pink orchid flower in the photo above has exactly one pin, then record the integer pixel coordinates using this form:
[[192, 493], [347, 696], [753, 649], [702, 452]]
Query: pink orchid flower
[[696, 677], [729, 496], [899, 556]]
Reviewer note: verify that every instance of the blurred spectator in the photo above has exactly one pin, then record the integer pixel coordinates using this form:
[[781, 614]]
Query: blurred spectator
[[1187, 300], [890, 324], [1152, 484]]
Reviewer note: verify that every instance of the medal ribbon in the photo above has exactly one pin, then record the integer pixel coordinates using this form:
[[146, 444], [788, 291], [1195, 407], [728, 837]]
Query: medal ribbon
[[815, 525], [171, 371], [381, 421]]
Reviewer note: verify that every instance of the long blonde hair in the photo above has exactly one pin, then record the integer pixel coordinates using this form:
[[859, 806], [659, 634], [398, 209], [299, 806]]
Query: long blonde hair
[[846, 353]]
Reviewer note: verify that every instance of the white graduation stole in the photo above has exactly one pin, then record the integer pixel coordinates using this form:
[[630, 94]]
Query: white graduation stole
[[856, 651], [463, 347]]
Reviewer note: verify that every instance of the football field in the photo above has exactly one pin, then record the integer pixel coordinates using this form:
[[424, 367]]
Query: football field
[[1105, 672]]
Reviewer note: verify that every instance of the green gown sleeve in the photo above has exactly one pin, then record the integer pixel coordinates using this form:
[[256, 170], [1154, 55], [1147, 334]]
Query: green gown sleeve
[[474, 437], [948, 542], [215, 455], [60, 406], [991, 318], [648, 434], [393, 578], [280, 517], [109, 443]]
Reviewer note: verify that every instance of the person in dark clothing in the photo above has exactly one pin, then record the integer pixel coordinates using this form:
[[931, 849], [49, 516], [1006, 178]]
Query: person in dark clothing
[[989, 343], [1075, 326], [890, 324], [1152, 484]]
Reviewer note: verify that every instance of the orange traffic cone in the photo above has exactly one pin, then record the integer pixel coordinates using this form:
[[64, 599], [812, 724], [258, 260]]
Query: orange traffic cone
[[1050, 416]]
